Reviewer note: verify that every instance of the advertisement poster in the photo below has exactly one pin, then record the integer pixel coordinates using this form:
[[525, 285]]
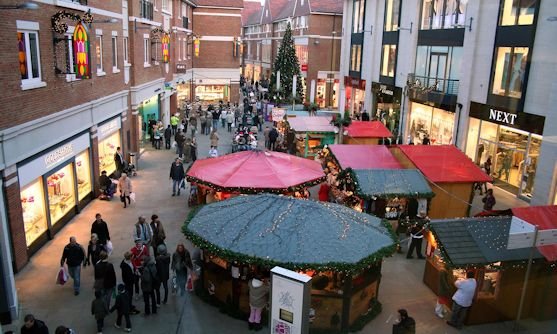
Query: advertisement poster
[[278, 114], [289, 302]]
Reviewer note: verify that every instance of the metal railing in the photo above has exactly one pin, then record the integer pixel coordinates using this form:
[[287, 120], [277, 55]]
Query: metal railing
[[432, 84], [145, 9]]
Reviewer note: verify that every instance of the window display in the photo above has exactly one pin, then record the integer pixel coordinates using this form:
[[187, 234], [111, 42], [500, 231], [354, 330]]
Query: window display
[[510, 67], [61, 193], [107, 148], [83, 172], [211, 92], [34, 216]]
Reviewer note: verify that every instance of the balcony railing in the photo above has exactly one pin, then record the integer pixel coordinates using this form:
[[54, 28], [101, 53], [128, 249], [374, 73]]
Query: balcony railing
[[145, 9], [432, 84]]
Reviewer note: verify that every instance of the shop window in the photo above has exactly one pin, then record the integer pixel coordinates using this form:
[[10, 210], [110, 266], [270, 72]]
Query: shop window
[[443, 14], [29, 55], [107, 149], [517, 12], [83, 173], [392, 14], [356, 58], [34, 214], [61, 193], [388, 61], [358, 15], [510, 66], [488, 284]]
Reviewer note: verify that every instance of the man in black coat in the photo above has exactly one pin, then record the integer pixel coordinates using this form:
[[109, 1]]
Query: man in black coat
[[167, 137], [273, 135], [180, 139], [100, 228], [128, 277], [74, 256], [105, 278], [119, 161], [177, 174], [33, 326]]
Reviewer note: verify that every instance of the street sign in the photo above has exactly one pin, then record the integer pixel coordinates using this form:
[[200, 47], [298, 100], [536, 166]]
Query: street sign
[[547, 237], [521, 234]]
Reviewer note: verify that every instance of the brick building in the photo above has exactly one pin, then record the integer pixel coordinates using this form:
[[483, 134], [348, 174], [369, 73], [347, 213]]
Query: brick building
[[81, 78], [316, 30]]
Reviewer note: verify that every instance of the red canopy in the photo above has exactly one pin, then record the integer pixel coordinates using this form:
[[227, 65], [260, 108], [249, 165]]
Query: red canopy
[[374, 129], [364, 157], [256, 171], [444, 164], [546, 219]]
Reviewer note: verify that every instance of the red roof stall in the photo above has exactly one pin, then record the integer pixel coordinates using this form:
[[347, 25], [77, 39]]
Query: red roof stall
[[451, 175], [364, 157], [364, 133]]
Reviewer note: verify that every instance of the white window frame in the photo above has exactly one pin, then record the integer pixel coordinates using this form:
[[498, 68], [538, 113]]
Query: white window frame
[[99, 47], [184, 9], [125, 42], [28, 27], [114, 53], [166, 6], [146, 51], [71, 75]]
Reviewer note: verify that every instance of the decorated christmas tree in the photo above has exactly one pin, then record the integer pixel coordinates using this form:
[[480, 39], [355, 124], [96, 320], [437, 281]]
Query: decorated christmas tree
[[288, 65]]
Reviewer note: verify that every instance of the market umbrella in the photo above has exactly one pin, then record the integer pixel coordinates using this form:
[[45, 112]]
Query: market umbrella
[[293, 233], [256, 171]]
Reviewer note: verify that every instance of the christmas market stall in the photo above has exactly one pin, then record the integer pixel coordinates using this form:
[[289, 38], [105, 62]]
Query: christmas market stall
[[312, 134], [480, 245], [365, 133], [250, 172], [451, 175], [340, 248]]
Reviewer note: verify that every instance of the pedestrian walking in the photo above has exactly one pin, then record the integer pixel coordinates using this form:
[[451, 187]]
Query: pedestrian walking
[[273, 136], [193, 148], [99, 310], [122, 308], [168, 136], [74, 257], [94, 250], [129, 278], [215, 115], [223, 118], [33, 326], [417, 236], [214, 139], [174, 120], [230, 120], [203, 122], [405, 323], [139, 252], [193, 124], [125, 186], [258, 298], [181, 263], [105, 278], [142, 231], [100, 228], [149, 280], [462, 299], [266, 133], [158, 233], [489, 200], [163, 270], [177, 175], [180, 139]]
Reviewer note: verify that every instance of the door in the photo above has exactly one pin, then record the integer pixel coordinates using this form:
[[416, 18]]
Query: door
[[437, 70]]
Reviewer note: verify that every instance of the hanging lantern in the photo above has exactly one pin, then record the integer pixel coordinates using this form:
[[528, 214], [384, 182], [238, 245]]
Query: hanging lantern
[[81, 52]]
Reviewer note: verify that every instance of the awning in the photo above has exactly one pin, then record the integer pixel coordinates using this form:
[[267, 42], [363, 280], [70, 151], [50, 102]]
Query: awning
[[373, 129], [364, 157], [389, 183]]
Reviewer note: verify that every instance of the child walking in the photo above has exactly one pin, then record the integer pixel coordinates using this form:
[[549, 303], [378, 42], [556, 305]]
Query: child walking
[[122, 307], [99, 310]]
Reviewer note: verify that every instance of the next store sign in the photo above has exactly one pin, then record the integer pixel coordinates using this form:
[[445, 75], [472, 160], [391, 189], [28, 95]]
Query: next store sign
[[518, 120], [502, 116]]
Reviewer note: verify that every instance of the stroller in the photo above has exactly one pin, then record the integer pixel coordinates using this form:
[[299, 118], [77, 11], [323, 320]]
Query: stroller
[[129, 169]]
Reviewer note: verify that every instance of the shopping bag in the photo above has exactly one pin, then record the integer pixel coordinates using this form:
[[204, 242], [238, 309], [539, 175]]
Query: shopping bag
[[189, 284], [132, 197], [183, 184], [174, 144], [109, 247], [62, 276]]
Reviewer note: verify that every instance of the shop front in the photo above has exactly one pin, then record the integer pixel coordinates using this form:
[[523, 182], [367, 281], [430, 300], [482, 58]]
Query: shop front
[[512, 142], [327, 89], [212, 93], [149, 113], [54, 186], [109, 139], [355, 93], [385, 106], [437, 124]]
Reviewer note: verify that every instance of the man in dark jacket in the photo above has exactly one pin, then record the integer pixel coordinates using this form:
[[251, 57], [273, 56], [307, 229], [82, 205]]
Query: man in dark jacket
[[273, 135], [106, 184], [216, 116], [100, 228], [180, 138], [74, 256], [177, 174], [105, 278], [119, 161], [405, 324], [167, 137], [128, 277], [122, 307], [33, 326], [149, 280], [163, 270]]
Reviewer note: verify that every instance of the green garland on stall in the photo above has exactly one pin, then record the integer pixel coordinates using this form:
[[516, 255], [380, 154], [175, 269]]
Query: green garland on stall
[[231, 256]]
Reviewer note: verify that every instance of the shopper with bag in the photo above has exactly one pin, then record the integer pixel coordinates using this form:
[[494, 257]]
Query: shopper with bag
[[74, 257], [125, 186], [94, 250], [100, 228], [177, 174], [181, 263], [163, 266]]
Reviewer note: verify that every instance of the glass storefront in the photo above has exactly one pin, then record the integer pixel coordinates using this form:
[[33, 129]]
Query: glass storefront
[[327, 95], [34, 213], [437, 123], [83, 173], [61, 192], [148, 112], [107, 148], [386, 106], [355, 100], [212, 93]]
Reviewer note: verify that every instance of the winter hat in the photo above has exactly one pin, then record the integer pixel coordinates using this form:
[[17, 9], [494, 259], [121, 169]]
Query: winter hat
[[161, 249]]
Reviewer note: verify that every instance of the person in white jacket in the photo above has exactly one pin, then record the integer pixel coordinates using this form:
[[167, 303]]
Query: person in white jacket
[[462, 299]]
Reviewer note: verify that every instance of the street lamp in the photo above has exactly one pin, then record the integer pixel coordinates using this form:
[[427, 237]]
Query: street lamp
[[25, 5]]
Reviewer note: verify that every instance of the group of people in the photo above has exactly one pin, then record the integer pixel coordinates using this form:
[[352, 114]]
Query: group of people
[[146, 267]]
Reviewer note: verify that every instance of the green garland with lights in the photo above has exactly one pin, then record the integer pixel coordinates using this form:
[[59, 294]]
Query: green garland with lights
[[349, 268]]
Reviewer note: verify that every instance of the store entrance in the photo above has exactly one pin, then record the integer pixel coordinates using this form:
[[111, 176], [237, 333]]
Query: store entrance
[[507, 164]]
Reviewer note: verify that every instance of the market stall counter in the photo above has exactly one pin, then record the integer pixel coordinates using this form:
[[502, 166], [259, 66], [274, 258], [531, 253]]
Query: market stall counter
[[246, 236], [451, 175], [366, 133], [479, 245], [312, 134]]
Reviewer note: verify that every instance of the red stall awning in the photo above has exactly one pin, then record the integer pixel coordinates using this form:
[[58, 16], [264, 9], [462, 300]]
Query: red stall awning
[[256, 171], [444, 164], [364, 157], [374, 129], [545, 217]]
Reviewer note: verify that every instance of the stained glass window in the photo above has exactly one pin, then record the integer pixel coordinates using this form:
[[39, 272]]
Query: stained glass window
[[165, 48], [81, 52]]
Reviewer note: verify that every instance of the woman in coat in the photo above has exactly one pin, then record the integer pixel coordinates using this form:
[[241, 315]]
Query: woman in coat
[[125, 186], [181, 263], [158, 232], [214, 138], [94, 251]]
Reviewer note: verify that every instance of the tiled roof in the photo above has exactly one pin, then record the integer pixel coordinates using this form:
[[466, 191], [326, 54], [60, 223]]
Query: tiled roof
[[285, 10], [251, 14], [220, 3], [326, 6]]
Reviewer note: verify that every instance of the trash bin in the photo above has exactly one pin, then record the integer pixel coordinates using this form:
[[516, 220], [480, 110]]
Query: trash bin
[[133, 159]]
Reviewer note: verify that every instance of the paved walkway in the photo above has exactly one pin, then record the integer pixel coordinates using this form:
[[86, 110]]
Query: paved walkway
[[401, 285]]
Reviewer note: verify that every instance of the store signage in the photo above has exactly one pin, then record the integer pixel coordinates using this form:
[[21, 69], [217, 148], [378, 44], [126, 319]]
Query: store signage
[[290, 300], [181, 68], [58, 155], [304, 67], [278, 114], [108, 128], [502, 116], [384, 90]]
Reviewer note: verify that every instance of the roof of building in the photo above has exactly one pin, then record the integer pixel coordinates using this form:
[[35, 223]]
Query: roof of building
[[311, 124], [444, 164], [274, 7], [251, 13], [284, 9], [364, 157], [389, 183], [374, 129], [477, 241], [220, 3], [326, 6]]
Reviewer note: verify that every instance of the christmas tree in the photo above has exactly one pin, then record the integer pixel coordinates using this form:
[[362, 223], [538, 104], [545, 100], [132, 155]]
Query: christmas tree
[[288, 65]]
